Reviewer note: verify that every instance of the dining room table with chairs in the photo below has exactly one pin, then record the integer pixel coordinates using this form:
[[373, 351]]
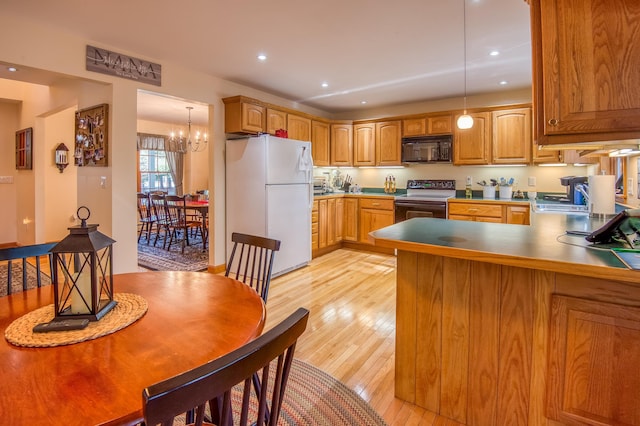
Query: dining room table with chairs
[[165, 323]]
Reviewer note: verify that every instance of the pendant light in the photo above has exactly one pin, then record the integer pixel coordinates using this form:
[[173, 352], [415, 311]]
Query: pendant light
[[465, 121]]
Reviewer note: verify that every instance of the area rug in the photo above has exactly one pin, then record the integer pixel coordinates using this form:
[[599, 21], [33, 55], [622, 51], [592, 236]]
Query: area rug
[[159, 259], [314, 398], [16, 277]]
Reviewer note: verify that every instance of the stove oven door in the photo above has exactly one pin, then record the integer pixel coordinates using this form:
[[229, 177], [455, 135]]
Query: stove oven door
[[408, 210]]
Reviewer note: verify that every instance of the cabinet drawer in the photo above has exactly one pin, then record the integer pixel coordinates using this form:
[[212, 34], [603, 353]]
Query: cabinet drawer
[[372, 203], [475, 209], [314, 227]]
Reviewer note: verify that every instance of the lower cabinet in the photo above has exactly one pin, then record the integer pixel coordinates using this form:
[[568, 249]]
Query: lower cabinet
[[594, 352], [490, 211], [350, 224], [375, 213], [326, 223]]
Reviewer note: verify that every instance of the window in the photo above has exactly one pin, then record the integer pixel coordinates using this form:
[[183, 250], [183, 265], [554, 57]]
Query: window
[[154, 172]]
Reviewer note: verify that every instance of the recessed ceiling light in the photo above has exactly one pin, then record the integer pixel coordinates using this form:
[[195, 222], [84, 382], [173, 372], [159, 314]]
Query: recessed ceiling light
[[504, 83], [262, 57], [363, 102], [12, 69], [494, 53], [325, 84]]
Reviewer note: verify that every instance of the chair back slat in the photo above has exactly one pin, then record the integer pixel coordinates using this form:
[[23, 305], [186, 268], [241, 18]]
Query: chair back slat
[[21, 254], [213, 382], [251, 261]]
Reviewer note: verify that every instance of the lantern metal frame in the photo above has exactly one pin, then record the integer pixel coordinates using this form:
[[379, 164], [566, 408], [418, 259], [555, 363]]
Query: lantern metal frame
[[82, 274]]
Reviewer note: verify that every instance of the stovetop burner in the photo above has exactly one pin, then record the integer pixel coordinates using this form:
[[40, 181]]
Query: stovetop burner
[[438, 190]]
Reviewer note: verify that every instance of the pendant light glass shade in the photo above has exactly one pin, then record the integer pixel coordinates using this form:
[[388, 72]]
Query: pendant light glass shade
[[465, 121]]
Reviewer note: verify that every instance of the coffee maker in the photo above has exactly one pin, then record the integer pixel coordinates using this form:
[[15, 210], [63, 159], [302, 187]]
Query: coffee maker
[[573, 196]]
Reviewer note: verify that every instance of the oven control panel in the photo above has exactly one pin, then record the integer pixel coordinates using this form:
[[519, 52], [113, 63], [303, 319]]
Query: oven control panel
[[431, 184]]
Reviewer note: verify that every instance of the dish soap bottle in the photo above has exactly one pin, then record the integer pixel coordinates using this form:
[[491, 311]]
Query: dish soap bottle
[[467, 189]]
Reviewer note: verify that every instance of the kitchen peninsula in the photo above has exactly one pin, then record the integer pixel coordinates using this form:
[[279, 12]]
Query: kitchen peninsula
[[507, 324]]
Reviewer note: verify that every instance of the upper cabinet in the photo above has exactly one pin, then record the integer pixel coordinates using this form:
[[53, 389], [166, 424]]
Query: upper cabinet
[[320, 143], [276, 120], [298, 127], [364, 144], [473, 146], [511, 136], [242, 116], [341, 145], [428, 125], [388, 143], [586, 57]]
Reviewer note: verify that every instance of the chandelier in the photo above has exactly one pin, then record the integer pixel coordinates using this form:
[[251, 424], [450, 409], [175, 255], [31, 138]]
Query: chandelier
[[183, 144]]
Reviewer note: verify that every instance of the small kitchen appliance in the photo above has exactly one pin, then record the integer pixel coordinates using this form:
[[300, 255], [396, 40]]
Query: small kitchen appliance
[[574, 196]]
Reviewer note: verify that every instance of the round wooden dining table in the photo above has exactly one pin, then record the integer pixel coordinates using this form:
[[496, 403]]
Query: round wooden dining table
[[192, 318]]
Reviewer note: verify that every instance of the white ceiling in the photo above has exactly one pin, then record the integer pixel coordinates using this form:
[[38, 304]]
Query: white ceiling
[[378, 51]]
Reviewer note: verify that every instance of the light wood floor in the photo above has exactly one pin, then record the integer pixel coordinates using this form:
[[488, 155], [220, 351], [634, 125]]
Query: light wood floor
[[351, 333]]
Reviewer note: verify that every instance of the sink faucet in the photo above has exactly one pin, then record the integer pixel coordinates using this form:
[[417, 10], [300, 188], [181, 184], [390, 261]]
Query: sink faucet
[[584, 190]]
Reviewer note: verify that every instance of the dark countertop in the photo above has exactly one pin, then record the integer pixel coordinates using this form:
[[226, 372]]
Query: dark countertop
[[544, 245]]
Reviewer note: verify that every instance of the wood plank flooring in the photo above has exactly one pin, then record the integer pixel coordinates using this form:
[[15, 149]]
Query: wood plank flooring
[[351, 333]]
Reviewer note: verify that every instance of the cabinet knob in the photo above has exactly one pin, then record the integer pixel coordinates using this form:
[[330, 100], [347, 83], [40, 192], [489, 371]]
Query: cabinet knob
[[553, 122], [473, 210]]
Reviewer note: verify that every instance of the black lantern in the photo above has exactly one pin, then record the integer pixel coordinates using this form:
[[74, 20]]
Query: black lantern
[[83, 273], [62, 157]]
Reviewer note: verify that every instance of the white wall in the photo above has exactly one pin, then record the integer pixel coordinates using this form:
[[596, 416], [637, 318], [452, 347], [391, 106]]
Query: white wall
[[9, 112]]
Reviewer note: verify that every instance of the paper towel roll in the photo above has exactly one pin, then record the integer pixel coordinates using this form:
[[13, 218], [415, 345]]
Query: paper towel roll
[[602, 194]]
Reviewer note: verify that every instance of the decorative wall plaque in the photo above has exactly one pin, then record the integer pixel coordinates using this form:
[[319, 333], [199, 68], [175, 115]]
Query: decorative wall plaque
[[92, 141], [124, 66], [24, 149]]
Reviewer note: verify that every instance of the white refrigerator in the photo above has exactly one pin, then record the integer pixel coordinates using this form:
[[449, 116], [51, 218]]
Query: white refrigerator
[[269, 192]]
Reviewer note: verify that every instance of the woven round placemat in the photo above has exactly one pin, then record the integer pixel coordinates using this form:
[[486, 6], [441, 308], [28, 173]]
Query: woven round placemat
[[130, 307]]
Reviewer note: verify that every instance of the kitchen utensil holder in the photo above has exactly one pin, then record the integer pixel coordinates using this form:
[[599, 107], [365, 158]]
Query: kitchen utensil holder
[[489, 191], [506, 192]]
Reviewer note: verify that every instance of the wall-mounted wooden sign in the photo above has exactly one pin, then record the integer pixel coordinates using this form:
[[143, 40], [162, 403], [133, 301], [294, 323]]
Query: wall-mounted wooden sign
[[92, 141], [112, 63]]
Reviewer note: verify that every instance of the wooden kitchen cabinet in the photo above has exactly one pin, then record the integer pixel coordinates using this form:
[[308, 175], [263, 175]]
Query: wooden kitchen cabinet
[[241, 116], [330, 212], [276, 120], [545, 155], [323, 223], [342, 145], [388, 143], [511, 136], [594, 352], [339, 220], [414, 127], [428, 125], [298, 127], [473, 146], [586, 57], [364, 144], [320, 143], [350, 220], [489, 211], [374, 214], [315, 234]]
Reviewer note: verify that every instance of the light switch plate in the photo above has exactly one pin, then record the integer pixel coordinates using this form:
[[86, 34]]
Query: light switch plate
[[6, 179], [532, 181]]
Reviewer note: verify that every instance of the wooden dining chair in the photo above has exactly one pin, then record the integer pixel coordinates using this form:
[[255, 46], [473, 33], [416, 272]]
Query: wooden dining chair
[[146, 218], [180, 225], [213, 383], [159, 210], [251, 261], [20, 255]]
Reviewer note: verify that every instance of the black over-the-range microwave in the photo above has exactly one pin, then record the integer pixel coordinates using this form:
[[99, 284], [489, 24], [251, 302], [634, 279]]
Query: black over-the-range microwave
[[427, 149]]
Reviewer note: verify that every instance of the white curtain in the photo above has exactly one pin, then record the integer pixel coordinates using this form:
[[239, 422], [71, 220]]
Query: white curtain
[[175, 158]]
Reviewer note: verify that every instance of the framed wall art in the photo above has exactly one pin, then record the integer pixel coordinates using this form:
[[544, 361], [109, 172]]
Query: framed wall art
[[24, 149], [92, 139]]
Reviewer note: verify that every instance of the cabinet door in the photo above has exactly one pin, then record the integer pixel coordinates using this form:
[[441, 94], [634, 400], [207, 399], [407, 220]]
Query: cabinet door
[[276, 120], [320, 143], [471, 146], [322, 223], [339, 219], [314, 226], [298, 128], [388, 143], [545, 155], [364, 144], [414, 127], [243, 117], [594, 351], [440, 124], [589, 55], [518, 215], [341, 145], [350, 219], [511, 136], [331, 221], [371, 220]]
